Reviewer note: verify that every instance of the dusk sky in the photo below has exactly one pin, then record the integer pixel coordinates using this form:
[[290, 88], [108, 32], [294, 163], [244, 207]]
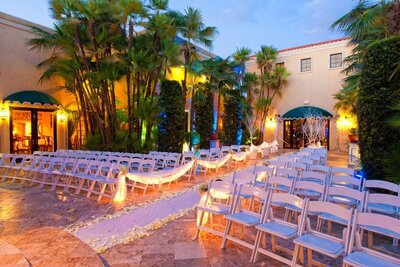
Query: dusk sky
[[250, 23]]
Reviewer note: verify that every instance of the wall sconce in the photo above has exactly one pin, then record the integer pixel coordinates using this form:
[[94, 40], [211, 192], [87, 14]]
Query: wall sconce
[[345, 122], [4, 113], [62, 117], [271, 123]]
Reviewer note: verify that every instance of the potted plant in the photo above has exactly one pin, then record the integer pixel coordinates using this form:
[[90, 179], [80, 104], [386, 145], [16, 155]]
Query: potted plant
[[250, 123], [353, 136]]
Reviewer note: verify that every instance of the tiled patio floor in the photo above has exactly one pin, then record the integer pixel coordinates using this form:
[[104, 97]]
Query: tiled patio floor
[[31, 211]]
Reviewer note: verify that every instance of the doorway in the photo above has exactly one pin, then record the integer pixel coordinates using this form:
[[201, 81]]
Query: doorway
[[294, 137], [32, 130]]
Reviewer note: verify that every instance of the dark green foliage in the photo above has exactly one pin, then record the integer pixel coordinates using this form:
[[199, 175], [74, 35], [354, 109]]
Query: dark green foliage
[[377, 139], [171, 131], [233, 116], [203, 108]]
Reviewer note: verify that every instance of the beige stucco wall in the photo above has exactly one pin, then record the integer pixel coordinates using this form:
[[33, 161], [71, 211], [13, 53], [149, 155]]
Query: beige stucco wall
[[18, 71], [315, 87]]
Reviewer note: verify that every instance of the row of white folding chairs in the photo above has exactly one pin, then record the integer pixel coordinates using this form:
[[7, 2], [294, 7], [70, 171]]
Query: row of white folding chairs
[[224, 199], [92, 177], [113, 154], [344, 190]]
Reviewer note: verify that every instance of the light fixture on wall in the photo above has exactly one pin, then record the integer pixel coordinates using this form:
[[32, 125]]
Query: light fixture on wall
[[62, 117], [4, 113], [271, 123]]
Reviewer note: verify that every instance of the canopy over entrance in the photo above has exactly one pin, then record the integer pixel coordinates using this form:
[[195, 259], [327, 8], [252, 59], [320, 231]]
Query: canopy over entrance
[[307, 112], [32, 97]]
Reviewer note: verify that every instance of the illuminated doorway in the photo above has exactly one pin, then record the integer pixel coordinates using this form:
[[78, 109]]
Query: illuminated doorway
[[32, 130]]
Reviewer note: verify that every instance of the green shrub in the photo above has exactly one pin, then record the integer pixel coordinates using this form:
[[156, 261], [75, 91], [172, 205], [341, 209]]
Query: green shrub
[[171, 131], [203, 108], [376, 138], [233, 117]]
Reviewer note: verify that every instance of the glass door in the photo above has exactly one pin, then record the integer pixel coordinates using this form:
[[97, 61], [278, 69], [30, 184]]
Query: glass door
[[32, 130]]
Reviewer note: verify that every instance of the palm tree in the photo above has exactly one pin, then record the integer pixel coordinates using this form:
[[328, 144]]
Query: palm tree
[[221, 77], [191, 27], [367, 22], [241, 56], [265, 58]]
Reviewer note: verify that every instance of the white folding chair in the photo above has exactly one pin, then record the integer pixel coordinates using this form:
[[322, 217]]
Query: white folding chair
[[357, 254], [314, 240], [217, 202], [262, 172], [278, 227], [313, 176], [288, 173], [245, 215], [297, 166], [312, 190], [347, 181]]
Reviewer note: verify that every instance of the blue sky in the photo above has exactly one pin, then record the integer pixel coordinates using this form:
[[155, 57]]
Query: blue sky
[[250, 23]]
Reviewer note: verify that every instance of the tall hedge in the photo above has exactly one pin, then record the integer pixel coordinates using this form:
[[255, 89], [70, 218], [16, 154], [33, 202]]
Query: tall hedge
[[171, 131], [203, 119], [377, 90], [233, 117]]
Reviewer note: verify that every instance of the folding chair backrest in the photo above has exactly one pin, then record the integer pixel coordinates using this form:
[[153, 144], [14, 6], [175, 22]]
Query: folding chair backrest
[[147, 165], [102, 158], [187, 156], [288, 173], [215, 153], [220, 190], [313, 176], [320, 168], [336, 210], [113, 159], [124, 161], [340, 171], [313, 186], [308, 150], [276, 164], [94, 167], [305, 161], [276, 183], [135, 165], [225, 150], [346, 193], [257, 195], [286, 159], [388, 226], [348, 181], [204, 154], [105, 170], [82, 166], [69, 165], [284, 199], [136, 156], [244, 177], [297, 166], [379, 184], [148, 157], [263, 171], [383, 199]]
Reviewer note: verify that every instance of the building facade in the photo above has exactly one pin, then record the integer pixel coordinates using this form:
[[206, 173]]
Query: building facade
[[315, 76]]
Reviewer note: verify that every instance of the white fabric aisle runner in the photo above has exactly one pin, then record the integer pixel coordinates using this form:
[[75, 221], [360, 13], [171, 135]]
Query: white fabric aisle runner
[[101, 232]]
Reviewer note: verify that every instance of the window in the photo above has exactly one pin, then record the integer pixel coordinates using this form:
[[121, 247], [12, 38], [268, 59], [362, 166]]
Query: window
[[305, 65], [335, 60], [280, 64]]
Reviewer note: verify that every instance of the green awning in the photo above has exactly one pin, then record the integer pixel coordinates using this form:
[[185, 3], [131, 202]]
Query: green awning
[[32, 97], [307, 112]]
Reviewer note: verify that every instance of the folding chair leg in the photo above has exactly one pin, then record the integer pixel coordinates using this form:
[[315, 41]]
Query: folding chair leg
[[257, 242], [92, 184], [103, 188], [227, 230], [198, 226], [295, 255], [309, 257]]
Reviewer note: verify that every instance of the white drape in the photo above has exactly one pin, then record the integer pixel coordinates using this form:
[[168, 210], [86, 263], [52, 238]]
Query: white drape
[[214, 164], [160, 177]]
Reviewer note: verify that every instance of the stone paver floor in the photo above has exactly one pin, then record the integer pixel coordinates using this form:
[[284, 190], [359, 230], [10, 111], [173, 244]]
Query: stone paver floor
[[31, 211]]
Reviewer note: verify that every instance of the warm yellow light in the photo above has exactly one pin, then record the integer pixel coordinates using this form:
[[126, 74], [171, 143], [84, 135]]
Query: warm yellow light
[[4, 113], [62, 117], [271, 123], [346, 122], [185, 147]]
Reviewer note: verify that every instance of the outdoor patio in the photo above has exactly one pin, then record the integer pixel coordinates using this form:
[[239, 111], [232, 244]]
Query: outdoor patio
[[39, 216]]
